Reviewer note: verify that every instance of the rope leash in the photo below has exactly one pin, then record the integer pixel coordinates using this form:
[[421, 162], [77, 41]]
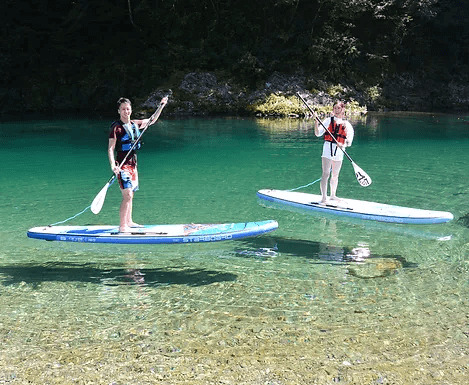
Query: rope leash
[[306, 185], [76, 215], [69, 219], [87, 208]]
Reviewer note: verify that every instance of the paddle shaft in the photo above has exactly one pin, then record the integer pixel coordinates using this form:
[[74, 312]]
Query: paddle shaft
[[319, 120], [154, 117]]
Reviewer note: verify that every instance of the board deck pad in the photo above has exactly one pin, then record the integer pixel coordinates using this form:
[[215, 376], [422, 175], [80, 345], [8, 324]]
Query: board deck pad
[[334, 204], [354, 208], [187, 233]]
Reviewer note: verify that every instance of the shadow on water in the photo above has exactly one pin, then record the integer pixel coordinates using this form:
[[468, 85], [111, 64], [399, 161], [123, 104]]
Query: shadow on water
[[87, 273], [463, 220], [360, 261]]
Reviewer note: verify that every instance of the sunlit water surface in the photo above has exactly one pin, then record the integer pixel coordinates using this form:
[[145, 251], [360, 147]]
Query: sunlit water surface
[[321, 300]]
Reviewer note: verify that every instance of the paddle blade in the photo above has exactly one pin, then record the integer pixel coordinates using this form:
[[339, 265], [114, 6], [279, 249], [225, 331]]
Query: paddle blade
[[98, 201], [362, 176]]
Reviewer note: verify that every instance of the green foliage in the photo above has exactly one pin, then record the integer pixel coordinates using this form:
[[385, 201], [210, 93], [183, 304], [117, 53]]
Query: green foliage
[[354, 108], [278, 105], [103, 49], [374, 93], [335, 90], [351, 108]]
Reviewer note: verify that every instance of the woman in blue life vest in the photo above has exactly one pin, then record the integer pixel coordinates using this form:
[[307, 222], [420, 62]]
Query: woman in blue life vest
[[123, 134], [332, 156]]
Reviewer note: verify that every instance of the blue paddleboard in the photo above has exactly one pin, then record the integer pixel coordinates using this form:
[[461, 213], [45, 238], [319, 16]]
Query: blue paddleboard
[[151, 234]]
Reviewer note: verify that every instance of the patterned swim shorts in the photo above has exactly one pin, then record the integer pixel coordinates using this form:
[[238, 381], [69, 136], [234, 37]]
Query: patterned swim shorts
[[128, 178]]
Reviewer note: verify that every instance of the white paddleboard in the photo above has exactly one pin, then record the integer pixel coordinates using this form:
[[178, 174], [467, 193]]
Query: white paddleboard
[[355, 208]]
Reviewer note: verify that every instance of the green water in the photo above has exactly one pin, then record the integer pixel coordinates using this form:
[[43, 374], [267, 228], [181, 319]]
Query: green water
[[319, 301]]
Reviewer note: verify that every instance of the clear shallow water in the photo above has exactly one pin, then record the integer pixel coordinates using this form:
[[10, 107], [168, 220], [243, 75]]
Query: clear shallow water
[[320, 300]]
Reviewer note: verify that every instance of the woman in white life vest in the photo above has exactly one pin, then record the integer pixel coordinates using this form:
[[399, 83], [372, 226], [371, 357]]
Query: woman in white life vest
[[332, 156]]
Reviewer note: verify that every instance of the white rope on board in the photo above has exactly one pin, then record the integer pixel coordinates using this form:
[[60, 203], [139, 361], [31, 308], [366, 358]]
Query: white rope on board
[[87, 208], [306, 185], [76, 215], [73, 217]]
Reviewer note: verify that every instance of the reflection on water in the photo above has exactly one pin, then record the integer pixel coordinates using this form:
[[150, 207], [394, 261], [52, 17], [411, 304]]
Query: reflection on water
[[360, 260], [419, 231], [276, 126]]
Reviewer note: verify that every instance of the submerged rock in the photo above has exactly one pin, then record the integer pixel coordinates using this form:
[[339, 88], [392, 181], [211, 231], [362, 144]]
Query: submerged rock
[[464, 220]]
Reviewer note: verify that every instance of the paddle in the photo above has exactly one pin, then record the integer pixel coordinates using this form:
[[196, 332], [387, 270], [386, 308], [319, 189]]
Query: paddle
[[98, 201], [362, 176]]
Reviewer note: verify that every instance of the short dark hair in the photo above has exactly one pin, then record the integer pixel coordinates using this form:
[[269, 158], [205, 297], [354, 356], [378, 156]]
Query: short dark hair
[[121, 101]]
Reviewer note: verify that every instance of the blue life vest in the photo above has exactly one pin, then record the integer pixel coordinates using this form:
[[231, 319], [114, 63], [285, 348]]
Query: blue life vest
[[131, 134]]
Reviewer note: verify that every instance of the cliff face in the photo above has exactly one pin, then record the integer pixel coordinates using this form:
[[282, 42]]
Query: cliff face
[[222, 56], [203, 93]]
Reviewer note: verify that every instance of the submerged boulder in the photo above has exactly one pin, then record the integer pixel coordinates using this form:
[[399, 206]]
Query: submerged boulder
[[464, 220]]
